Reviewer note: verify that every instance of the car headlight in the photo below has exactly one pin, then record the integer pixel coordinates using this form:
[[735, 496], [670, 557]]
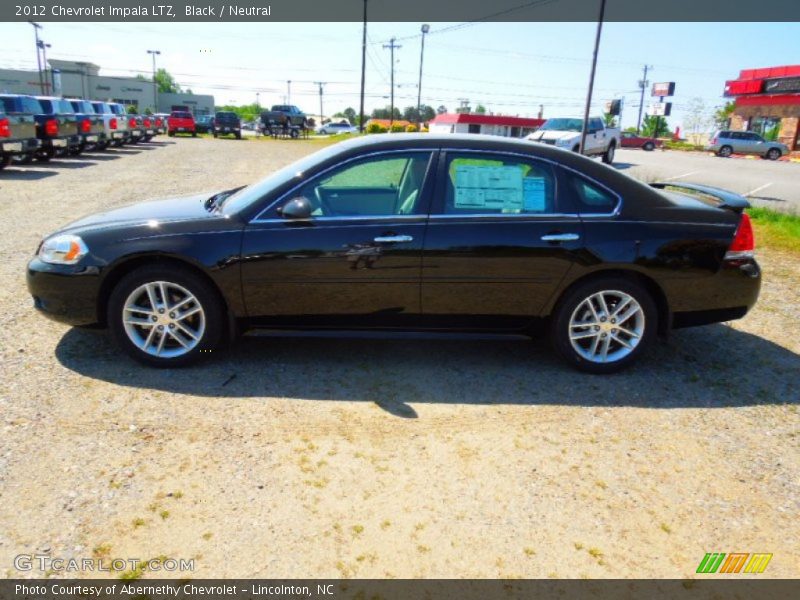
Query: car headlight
[[63, 249], [563, 142]]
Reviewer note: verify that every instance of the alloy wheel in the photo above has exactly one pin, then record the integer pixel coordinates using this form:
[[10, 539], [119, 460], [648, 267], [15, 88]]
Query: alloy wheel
[[163, 319], [606, 326]]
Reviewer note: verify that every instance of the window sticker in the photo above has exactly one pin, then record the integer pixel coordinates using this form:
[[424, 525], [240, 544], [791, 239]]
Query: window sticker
[[533, 194], [484, 187]]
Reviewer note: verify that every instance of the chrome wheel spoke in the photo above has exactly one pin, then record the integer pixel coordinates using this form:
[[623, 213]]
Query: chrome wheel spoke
[[620, 341], [151, 295], [179, 339], [629, 314], [150, 337], [161, 342], [595, 346], [138, 321], [602, 302], [186, 331], [583, 335], [604, 350], [619, 308], [188, 313], [140, 310], [629, 332]]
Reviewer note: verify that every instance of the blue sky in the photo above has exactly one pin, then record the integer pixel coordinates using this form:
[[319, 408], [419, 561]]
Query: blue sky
[[510, 68]]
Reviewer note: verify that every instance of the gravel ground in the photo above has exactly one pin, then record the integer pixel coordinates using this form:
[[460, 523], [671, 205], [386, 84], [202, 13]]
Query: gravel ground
[[365, 458]]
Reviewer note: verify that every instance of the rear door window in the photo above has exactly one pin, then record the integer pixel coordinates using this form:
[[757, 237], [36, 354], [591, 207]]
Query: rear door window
[[590, 198], [497, 184]]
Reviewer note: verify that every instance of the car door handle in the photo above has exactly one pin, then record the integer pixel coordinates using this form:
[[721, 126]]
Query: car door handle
[[394, 239], [560, 237]]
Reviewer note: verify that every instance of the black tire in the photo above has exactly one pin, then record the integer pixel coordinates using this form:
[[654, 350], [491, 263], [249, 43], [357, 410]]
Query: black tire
[[649, 146], [773, 154], [171, 134], [294, 133], [725, 151], [576, 149], [194, 134], [45, 154], [75, 151], [25, 159], [608, 155], [238, 135], [215, 135], [206, 296], [4, 160], [573, 299]]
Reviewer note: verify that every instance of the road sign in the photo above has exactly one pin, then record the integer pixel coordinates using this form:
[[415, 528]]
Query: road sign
[[660, 109], [666, 88]]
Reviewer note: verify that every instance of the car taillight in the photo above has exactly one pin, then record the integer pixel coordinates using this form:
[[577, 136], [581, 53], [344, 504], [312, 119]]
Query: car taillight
[[51, 127], [744, 242], [147, 122], [132, 123], [112, 123], [713, 141], [5, 128], [158, 122], [86, 126]]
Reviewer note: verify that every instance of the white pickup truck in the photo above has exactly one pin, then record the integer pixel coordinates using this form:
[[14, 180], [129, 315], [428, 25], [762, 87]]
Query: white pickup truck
[[566, 133]]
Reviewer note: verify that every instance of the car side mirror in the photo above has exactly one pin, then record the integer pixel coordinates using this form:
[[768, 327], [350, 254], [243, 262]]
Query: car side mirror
[[296, 208]]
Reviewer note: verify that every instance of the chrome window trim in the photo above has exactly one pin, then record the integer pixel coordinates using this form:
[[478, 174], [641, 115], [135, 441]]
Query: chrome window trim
[[537, 216], [282, 197]]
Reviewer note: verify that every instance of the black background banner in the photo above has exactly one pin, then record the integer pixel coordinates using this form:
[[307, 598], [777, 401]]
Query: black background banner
[[319, 589], [400, 10]]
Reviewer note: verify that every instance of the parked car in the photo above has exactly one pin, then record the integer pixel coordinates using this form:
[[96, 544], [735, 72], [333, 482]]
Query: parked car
[[181, 122], [72, 141], [631, 140], [204, 124], [160, 123], [123, 123], [411, 231], [337, 128], [724, 143], [18, 128], [283, 118], [116, 128], [566, 133], [149, 127], [227, 123], [90, 125]]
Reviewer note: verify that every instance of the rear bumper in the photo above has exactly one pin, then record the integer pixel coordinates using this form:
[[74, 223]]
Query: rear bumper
[[63, 293], [19, 146], [725, 296], [62, 142]]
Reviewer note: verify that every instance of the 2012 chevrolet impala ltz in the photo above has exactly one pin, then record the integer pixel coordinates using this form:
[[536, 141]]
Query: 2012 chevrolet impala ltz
[[410, 232]]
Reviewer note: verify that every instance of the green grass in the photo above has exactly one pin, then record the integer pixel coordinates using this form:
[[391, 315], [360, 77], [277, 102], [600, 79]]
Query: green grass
[[775, 229]]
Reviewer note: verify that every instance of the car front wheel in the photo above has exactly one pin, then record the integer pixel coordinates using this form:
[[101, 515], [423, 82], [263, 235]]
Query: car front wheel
[[165, 316], [608, 156], [604, 325], [773, 154]]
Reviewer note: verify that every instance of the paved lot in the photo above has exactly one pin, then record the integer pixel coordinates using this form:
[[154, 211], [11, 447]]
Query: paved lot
[[766, 183], [376, 458]]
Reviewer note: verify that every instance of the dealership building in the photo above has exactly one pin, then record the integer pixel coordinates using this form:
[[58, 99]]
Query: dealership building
[[514, 127], [768, 103], [83, 80]]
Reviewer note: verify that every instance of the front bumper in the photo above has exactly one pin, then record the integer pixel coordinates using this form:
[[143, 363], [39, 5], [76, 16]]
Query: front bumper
[[64, 293], [20, 146]]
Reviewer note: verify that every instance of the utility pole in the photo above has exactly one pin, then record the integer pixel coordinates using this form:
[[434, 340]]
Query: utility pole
[[258, 103], [155, 84], [363, 68], [391, 45], [321, 114], [591, 76], [288, 91], [424, 29], [642, 85], [36, 28], [541, 111], [44, 48]]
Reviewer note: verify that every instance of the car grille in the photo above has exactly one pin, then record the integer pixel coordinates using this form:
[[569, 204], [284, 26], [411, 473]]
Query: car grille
[[551, 142]]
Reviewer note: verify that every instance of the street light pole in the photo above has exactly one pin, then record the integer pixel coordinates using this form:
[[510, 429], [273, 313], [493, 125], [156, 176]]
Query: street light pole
[[155, 84], [591, 76], [424, 29], [44, 48], [642, 85], [36, 28], [288, 91], [321, 114]]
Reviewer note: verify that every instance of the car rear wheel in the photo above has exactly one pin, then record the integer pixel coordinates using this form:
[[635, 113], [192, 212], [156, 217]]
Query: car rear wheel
[[604, 325], [725, 151], [773, 154], [608, 157], [45, 154], [649, 146], [165, 316], [4, 160]]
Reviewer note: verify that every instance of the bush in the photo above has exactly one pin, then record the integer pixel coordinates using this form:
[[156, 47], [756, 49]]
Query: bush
[[375, 128], [397, 128], [411, 129], [671, 145]]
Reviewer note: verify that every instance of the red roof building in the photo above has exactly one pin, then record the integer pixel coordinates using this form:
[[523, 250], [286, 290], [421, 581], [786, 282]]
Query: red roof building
[[767, 102], [507, 126]]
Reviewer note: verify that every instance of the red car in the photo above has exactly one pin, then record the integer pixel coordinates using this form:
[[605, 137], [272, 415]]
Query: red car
[[181, 122], [631, 140]]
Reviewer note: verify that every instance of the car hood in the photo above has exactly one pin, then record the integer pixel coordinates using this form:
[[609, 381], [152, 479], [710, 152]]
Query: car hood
[[160, 211], [553, 135]]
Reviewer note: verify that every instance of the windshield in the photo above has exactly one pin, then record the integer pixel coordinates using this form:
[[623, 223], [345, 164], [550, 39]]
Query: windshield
[[253, 193], [562, 125]]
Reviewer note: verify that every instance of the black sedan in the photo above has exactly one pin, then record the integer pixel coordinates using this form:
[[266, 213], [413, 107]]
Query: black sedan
[[410, 232]]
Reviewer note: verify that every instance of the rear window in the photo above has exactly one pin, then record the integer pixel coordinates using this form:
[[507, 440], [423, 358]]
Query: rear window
[[226, 116], [181, 115], [26, 103], [82, 106], [591, 198], [56, 106]]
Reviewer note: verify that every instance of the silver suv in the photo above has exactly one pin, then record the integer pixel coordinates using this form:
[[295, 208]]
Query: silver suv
[[725, 143]]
